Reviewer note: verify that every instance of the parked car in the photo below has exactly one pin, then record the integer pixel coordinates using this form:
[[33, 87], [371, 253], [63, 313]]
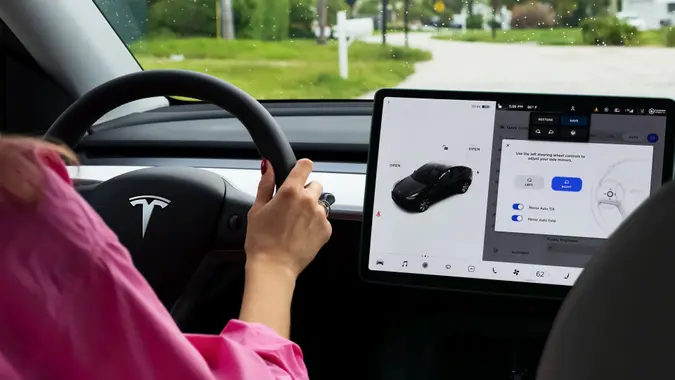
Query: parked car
[[429, 184]]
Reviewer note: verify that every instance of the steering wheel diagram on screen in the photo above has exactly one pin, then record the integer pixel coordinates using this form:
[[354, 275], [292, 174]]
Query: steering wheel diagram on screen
[[619, 190]]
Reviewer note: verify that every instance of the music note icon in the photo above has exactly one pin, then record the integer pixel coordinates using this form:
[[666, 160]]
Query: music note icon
[[405, 264]]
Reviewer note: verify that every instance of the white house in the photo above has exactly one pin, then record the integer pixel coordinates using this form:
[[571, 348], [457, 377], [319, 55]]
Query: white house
[[652, 13]]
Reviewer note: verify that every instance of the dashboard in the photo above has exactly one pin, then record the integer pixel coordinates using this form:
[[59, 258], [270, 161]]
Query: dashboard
[[507, 193], [334, 135]]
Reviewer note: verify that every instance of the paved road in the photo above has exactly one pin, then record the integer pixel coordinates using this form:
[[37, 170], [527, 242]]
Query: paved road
[[636, 71]]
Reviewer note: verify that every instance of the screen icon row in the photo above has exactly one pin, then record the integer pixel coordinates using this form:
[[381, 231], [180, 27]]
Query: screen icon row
[[494, 270]]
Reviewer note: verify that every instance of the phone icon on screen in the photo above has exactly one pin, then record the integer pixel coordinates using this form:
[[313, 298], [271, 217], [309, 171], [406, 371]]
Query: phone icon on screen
[[494, 270]]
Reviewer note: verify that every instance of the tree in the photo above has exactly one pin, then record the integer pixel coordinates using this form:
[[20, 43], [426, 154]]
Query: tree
[[302, 17], [333, 7], [322, 10], [420, 10], [367, 7], [496, 5]]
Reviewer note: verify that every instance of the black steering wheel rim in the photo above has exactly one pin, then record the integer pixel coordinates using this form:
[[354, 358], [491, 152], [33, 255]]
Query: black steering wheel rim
[[267, 136]]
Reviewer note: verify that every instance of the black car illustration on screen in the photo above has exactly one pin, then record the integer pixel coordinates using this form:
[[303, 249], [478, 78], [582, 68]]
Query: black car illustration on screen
[[429, 184]]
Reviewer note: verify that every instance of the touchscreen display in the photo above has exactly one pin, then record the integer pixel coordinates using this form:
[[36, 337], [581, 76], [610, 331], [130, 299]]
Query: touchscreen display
[[509, 192]]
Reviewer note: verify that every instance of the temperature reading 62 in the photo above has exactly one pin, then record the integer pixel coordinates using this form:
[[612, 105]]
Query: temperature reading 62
[[539, 273]]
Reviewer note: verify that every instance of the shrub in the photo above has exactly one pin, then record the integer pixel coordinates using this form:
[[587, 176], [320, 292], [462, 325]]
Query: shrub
[[669, 36], [275, 19], [532, 15], [255, 19], [607, 31], [474, 21], [261, 19], [183, 18], [248, 19]]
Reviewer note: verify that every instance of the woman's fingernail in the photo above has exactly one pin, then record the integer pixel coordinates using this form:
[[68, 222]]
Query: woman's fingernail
[[263, 166]]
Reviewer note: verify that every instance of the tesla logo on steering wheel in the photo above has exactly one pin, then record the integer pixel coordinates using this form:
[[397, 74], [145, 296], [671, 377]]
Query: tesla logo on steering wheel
[[148, 204]]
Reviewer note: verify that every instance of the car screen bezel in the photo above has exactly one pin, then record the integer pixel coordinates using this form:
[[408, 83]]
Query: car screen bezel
[[463, 284]]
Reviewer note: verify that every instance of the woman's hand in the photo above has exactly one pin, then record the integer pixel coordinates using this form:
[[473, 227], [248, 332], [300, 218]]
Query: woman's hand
[[285, 232], [287, 229]]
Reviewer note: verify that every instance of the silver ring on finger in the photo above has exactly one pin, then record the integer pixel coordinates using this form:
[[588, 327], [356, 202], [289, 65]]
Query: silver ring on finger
[[325, 205]]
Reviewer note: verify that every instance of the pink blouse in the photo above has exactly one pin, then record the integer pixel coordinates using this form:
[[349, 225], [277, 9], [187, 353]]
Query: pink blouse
[[72, 306]]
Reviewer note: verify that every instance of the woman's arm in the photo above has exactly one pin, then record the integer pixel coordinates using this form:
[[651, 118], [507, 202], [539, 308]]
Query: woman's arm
[[267, 296], [79, 309]]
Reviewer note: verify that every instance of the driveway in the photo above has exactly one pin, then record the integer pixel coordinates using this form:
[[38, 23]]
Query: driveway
[[633, 71]]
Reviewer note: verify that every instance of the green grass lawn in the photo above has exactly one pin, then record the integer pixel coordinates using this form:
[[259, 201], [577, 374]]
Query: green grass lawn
[[298, 69], [558, 36]]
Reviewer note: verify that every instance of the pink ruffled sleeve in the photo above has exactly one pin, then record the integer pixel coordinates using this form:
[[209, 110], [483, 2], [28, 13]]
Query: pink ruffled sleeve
[[74, 307]]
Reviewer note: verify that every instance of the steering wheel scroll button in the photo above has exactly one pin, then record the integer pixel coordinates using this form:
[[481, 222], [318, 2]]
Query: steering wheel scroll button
[[328, 198], [234, 223], [571, 184]]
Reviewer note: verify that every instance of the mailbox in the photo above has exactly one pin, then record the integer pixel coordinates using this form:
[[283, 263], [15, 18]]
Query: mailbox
[[347, 31]]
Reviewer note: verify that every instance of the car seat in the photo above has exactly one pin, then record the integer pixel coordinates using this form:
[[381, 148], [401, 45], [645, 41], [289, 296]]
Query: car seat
[[618, 321]]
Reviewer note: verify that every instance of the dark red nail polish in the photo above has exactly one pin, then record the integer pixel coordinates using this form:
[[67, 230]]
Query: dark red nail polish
[[263, 166]]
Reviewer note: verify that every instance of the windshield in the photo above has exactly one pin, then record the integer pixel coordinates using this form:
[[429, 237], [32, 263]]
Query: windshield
[[336, 49]]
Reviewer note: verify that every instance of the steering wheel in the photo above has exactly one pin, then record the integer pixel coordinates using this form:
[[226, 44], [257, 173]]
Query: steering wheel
[[169, 218]]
